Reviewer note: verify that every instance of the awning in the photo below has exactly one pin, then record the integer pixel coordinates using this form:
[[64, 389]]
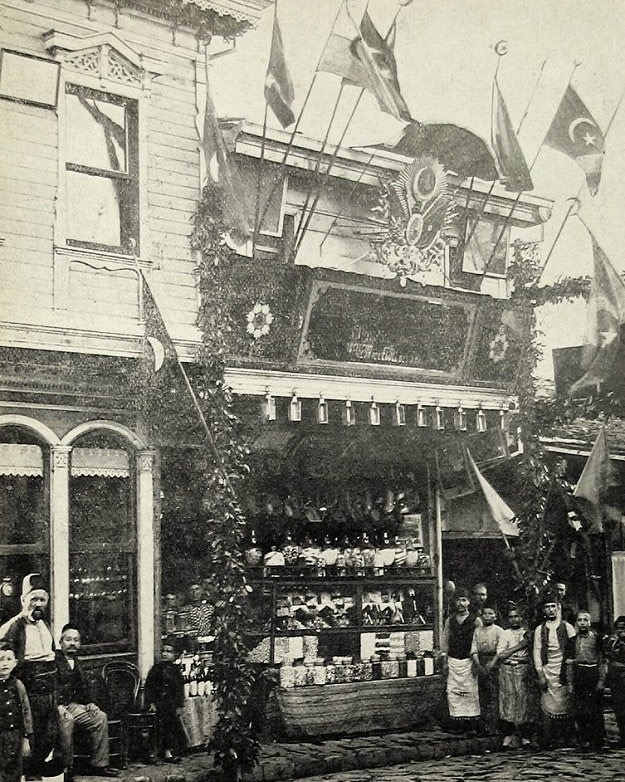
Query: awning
[[468, 517], [27, 460]]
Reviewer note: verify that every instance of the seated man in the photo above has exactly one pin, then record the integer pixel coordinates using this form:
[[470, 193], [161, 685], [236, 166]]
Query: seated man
[[76, 707]]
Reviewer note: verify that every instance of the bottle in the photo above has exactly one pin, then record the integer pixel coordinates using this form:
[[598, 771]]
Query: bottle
[[201, 681], [187, 682], [290, 549], [193, 679], [388, 552], [253, 554]]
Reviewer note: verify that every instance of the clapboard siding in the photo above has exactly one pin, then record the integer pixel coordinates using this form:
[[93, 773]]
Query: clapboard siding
[[30, 174]]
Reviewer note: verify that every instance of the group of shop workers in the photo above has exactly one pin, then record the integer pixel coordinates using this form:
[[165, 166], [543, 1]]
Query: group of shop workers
[[44, 694], [496, 679], [542, 687]]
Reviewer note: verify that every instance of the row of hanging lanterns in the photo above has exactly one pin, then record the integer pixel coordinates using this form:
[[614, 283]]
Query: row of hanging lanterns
[[348, 413]]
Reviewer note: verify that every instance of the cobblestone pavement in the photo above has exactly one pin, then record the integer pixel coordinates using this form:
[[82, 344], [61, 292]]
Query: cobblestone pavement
[[519, 766]]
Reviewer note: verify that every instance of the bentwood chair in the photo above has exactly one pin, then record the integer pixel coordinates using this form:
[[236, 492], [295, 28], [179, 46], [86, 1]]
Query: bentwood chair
[[122, 682]]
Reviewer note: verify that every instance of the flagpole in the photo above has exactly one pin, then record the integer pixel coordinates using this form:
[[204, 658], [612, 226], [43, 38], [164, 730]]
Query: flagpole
[[196, 404], [347, 200], [259, 181], [576, 199], [501, 52], [315, 176], [300, 237], [573, 201], [289, 145]]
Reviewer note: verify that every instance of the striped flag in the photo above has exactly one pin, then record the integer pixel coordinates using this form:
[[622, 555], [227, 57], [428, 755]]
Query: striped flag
[[499, 509], [605, 318], [279, 92], [513, 168], [223, 176]]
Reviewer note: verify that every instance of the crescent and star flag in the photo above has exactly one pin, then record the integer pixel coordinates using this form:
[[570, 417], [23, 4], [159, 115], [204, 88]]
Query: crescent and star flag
[[605, 317], [513, 168], [499, 509], [367, 61], [575, 133], [224, 177], [279, 92]]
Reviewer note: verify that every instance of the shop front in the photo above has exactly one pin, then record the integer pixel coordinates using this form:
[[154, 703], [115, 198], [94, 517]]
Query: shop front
[[77, 498]]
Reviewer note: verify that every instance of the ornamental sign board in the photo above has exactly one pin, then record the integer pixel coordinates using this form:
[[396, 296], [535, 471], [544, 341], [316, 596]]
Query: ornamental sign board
[[350, 324]]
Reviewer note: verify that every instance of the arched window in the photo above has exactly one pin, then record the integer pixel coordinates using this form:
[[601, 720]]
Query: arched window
[[24, 515], [102, 541]]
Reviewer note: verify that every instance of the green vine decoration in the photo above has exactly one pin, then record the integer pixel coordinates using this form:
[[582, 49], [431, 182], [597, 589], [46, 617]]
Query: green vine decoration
[[537, 486], [233, 742]]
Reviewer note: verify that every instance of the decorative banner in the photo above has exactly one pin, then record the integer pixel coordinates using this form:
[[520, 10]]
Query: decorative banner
[[351, 324]]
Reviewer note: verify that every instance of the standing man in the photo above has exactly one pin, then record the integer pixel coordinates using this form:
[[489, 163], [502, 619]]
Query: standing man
[[565, 609], [483, 654], [31, 638], [462, 690], [76, 707], [517, 690], [480, 598], [585, 672], [550, 643]]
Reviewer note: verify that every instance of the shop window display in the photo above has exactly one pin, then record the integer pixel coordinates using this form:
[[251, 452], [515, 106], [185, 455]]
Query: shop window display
[[24, 524], [102, 556]]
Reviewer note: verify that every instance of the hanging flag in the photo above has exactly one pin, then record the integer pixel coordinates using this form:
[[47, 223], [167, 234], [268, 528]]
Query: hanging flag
[[279, 92], [513, 168], [337, 58], [499, 509], [575, 133], [592, 485], [223, 176], [605, 317], [375, 54]]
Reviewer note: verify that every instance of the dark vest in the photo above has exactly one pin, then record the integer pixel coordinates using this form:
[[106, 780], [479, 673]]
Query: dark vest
[[563, 637], [461, 637]]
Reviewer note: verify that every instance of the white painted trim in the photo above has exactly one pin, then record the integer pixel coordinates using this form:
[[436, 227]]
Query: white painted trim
[[109, 426], [59, 534], [568, 447], [145, 561], [351, 162], [64, 254], [257, 382], [54, 40], [49, 437]]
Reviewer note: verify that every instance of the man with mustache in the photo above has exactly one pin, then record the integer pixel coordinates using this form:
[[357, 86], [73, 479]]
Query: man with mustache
[[31, 638], [76, 707]]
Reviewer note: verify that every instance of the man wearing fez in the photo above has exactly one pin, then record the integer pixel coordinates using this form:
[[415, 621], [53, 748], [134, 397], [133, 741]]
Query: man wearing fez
[[76, 707], [551, 639], [31, 638]]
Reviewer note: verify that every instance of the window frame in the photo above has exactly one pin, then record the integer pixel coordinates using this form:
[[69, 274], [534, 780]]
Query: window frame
[[129, 216]]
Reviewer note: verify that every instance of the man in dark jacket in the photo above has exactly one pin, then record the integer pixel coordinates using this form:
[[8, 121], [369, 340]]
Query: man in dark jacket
[[31, 638], [76, 707]]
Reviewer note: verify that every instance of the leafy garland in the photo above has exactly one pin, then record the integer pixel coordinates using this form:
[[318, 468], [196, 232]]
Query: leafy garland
[[535, 483], [233, 740]]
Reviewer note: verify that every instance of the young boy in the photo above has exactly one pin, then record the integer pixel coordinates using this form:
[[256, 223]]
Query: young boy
[[16, 726], [615, 653], [483, 654], [584, 671], [164, 691]]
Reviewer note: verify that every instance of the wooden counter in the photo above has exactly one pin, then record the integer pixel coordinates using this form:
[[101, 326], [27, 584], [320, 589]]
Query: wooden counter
[[358, 707]]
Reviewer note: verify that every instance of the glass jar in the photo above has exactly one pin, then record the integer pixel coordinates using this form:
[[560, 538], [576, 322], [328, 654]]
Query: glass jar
[[299, 675], [319, 671], [287, 674]]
